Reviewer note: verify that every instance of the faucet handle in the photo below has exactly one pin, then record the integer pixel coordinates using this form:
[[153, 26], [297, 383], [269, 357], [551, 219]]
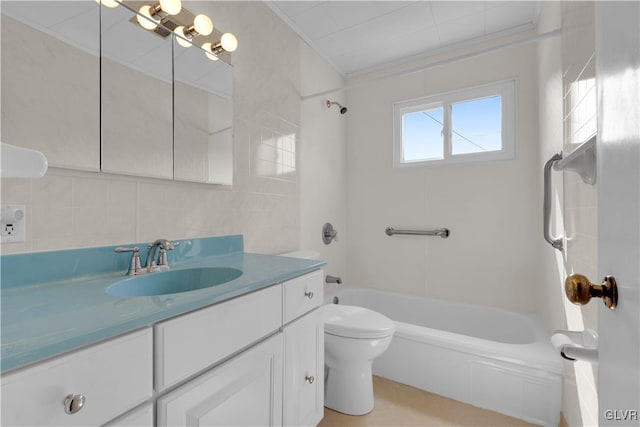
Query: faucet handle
[[163, 264], [134, 249], [135, 267]]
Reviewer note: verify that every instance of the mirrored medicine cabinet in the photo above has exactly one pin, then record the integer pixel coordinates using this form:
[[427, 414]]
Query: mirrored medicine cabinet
[[94, 91]]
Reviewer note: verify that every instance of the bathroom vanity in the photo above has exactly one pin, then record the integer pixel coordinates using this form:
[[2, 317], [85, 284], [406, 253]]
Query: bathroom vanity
[[251, 353]]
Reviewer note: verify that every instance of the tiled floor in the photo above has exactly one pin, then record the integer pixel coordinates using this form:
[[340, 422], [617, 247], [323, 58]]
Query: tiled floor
[[401, 405]]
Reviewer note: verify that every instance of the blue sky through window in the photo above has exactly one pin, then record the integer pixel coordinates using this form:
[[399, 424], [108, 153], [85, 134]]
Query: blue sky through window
[[477, 126], [422, 135]]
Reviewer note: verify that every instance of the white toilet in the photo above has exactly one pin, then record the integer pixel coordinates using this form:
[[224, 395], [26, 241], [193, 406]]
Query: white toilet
[[353, 337]]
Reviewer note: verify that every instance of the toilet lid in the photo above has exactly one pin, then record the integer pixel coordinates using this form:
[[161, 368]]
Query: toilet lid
[[356, 322]]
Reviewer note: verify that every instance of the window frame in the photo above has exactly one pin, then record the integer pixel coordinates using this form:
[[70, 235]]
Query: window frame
[[506, 89]]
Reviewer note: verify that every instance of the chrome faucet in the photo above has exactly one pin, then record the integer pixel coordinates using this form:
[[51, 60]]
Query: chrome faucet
[[333, 279], [162, 245]]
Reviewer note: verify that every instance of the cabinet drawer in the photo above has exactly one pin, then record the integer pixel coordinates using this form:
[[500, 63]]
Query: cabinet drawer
[[191, 343], [302, 294], [113, 377]]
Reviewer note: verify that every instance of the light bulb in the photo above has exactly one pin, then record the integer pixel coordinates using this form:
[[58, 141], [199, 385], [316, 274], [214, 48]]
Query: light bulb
[[207, 51], [181, 38], [202, 24], [172, 7], [229, 42], [108, 3], [146, 21]]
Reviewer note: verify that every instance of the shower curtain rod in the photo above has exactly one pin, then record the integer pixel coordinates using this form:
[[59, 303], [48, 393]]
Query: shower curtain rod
[[436, 64]]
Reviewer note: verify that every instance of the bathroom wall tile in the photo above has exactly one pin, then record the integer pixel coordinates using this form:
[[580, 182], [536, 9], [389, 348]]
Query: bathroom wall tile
[[53, 244], [224, 215], [15, 190], [151, 215], [52, 190], [50, 224], [121, 211], [280, 213], [321, 152], [89, 226], [89, 192], [15, 248], [173, 224]]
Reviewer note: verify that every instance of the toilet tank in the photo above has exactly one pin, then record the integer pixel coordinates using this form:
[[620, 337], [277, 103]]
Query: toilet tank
[[302, 254]]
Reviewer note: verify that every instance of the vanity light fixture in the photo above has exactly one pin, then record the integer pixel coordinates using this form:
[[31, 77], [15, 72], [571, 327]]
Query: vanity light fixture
[[168, 17], [228, 43], [150, 16], [202, 25]]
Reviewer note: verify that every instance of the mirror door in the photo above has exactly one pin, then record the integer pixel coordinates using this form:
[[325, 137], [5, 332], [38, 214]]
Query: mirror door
[[136, 96], [51, 80], [203, 117]]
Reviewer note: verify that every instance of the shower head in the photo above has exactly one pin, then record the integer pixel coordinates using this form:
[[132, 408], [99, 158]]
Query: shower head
[[343, 109]]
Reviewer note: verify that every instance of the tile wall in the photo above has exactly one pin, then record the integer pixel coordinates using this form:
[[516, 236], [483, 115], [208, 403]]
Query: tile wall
[[492, 209]]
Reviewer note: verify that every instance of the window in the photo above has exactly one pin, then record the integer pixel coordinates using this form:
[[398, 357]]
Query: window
[[473, 124]]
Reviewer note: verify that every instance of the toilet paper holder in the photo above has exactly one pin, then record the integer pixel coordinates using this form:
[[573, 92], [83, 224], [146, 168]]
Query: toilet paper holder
[[576, 345]]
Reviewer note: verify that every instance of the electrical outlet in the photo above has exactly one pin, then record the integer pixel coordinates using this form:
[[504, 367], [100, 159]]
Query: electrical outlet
[[12, 223]]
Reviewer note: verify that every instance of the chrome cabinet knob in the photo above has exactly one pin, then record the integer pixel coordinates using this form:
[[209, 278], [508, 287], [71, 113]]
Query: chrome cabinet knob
[[580, 290], [73, 403], [310, 379], [308, 294]]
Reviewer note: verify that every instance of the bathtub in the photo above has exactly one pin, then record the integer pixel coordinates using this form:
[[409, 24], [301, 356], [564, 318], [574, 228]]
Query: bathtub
[[488, 357]]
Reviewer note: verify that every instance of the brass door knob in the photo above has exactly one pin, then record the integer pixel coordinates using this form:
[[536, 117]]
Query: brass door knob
[[580, 290]]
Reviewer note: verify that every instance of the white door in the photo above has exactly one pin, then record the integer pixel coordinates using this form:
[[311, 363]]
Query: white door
[[617, 26]]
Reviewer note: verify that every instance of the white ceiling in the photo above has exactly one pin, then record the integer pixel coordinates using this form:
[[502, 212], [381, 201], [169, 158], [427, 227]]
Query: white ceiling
[[356, 36]]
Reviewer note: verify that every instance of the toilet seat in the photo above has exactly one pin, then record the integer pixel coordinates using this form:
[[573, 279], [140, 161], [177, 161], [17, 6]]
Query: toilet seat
[[356, 322]]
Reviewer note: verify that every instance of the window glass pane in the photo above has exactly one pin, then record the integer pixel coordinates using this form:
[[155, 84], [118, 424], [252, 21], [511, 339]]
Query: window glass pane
[[476, 126], [422, 137]]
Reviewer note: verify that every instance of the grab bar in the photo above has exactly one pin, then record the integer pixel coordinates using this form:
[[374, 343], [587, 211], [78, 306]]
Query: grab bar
[[442, 232], [556, 242]]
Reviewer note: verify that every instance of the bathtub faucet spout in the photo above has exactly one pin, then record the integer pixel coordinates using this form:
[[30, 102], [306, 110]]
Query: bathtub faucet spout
[[333, 279]]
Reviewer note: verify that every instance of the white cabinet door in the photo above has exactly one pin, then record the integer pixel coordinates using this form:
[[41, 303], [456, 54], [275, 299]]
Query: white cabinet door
[[245, 391], [304, 371]]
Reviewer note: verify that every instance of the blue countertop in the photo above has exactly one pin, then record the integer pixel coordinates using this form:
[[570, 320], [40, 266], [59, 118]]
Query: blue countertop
[[46, 318]]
